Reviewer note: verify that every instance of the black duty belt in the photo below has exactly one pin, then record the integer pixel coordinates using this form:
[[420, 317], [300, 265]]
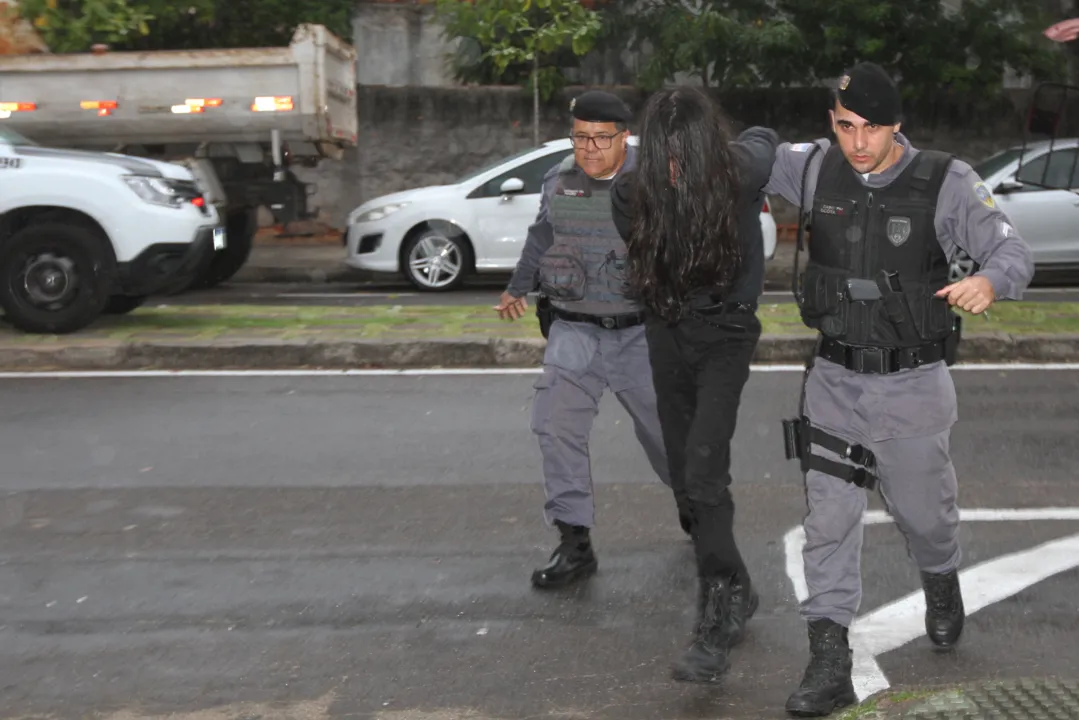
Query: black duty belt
[[611, 322], [880, 360]]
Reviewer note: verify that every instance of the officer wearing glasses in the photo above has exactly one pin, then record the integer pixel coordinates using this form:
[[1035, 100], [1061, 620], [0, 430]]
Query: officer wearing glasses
[[575, 256]]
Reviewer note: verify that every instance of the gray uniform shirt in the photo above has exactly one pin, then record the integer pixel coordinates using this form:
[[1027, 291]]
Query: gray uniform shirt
[[921, 401]]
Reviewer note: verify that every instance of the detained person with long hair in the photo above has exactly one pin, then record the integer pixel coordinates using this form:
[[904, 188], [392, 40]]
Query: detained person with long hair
[[690, 216]]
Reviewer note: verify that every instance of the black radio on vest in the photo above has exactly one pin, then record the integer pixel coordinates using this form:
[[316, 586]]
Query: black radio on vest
[[875, 261]]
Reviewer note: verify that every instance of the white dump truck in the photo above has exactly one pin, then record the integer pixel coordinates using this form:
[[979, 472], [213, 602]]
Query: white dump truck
[[238, 118]]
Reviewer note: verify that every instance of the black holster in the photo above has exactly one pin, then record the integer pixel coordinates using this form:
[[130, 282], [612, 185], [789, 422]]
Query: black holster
[[545, 314], [798, 436], [793, 445], [951, 343]]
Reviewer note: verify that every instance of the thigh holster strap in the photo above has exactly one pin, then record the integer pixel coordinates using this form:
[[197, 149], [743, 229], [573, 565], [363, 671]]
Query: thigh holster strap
[[799, 435]]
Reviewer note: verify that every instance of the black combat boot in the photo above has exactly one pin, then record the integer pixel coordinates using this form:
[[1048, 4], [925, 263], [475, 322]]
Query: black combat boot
[[826, 685], [571, 561], [944, 612], [706, 659], [744, 602]]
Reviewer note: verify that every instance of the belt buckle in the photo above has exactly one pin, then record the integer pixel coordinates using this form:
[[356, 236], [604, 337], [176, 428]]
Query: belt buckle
[[870, 360], [607, 322]]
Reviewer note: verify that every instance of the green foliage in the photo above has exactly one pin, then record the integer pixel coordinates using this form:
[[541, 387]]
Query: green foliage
[[75, 25], [725, 43], [502, 40], [927, 47]]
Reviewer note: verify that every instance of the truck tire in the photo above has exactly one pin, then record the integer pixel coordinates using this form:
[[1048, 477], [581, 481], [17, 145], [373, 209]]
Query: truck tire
[[240, 228], [123, 304], [54, 278]]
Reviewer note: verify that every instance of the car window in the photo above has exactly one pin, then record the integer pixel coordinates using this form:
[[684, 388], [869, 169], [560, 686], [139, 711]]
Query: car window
[[491, 166], [1063, 170], [995, 163], [531, 173]]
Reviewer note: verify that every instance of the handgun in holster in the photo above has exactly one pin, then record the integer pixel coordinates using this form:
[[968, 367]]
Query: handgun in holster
[[951, 343], [545, 314], [794, 442]]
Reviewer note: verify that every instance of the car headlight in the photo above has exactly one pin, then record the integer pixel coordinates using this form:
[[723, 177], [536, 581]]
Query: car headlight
[[159, 191], [378, 213]]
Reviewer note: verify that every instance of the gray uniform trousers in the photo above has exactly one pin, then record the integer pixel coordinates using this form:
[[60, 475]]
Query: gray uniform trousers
[[580, 362], [905, 420]]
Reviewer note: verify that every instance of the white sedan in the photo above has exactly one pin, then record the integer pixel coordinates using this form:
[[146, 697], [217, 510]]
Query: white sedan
[[1044, 208], [436, 236]]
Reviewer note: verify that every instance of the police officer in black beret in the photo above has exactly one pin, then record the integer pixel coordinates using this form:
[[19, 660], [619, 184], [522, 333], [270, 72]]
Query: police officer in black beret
[[576, 258], [888, 220]]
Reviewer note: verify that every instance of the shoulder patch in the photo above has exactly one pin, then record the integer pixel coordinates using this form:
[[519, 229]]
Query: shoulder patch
[[984, 195], [801, 147]]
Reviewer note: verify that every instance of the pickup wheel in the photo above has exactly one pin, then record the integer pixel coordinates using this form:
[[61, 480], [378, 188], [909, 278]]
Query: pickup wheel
[[53, 278], [123, 304], [240, 228]]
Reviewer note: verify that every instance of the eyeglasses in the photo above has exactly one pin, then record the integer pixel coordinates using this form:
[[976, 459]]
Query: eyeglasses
[[602, 142]]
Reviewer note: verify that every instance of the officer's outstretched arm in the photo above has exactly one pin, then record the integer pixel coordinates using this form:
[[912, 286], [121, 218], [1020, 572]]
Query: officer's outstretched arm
[[756, 152], [539, 240], [789, 166], [968, 217]]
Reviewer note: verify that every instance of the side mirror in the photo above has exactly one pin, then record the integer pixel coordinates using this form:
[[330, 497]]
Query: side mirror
[[513, 185], [1009, 186]]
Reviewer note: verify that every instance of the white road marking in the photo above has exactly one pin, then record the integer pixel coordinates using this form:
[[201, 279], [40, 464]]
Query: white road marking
[[779, 368], [901, 621], [360, 294]]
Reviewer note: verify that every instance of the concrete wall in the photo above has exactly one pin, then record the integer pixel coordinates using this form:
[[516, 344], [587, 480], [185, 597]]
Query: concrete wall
[[410, 137], [398, 44]]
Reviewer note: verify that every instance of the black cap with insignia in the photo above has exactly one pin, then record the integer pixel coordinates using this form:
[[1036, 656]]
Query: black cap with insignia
[[599, 106], [867, 90]]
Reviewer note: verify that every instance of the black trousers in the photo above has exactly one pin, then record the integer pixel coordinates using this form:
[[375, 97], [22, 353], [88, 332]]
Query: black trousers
[[700, 366]]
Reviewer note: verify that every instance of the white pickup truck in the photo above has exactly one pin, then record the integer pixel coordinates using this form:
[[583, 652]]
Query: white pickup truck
[[83, 233], [237, 117]]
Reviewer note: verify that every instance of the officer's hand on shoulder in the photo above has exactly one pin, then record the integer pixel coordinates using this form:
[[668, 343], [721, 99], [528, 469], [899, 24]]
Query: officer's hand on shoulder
[[511, 308], [974, 294]]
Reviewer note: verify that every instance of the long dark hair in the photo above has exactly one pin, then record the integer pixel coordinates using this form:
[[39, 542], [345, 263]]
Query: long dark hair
[[685, 233]]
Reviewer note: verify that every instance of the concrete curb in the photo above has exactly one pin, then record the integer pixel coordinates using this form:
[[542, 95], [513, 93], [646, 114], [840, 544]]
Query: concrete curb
[[441, 353], [775, 279]]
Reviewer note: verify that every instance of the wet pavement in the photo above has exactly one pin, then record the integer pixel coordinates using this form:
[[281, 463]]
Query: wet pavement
[[360, 547]]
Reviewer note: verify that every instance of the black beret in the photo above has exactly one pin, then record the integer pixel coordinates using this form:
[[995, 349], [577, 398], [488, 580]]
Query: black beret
[[599, 106], [867, 90]]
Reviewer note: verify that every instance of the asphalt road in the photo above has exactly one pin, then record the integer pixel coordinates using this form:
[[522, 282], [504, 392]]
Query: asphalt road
[[313, 547], [478, 293]]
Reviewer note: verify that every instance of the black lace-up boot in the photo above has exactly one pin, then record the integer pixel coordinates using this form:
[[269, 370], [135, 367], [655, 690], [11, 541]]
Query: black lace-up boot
[[944, 612], [744, 602], [826, 685], [571, 561], [706, 659]]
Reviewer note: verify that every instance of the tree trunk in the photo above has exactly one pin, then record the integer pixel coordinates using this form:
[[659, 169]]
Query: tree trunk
[[535, 99]]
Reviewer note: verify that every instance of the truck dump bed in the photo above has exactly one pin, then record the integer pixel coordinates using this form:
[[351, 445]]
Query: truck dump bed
[[306, 92]]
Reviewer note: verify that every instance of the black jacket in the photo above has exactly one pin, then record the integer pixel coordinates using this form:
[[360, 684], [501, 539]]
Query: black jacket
[[755, 150]]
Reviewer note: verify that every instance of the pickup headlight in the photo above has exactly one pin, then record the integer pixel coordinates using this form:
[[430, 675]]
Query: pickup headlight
[[378, 213], [161, 191]]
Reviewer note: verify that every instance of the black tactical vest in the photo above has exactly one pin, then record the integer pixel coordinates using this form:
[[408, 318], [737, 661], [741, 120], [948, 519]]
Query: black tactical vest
[[860, 232]]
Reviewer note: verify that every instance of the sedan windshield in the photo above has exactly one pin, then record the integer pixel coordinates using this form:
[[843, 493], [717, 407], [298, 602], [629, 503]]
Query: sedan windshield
[[11, 137]]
